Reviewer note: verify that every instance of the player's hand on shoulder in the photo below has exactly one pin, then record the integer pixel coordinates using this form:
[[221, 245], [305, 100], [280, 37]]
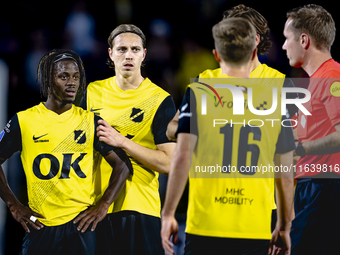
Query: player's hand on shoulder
[[25, 216], [109, 135]]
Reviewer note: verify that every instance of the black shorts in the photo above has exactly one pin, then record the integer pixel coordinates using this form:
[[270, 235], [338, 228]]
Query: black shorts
[[59, 240], [315, 229], [197, 245], [129, 233]]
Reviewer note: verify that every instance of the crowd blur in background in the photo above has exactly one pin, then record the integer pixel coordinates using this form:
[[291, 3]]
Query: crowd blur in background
[[179, 46]]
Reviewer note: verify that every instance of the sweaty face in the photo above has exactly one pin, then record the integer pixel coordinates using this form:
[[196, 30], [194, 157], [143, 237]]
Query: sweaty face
[[295, 51], [66, 81], [127, 54]]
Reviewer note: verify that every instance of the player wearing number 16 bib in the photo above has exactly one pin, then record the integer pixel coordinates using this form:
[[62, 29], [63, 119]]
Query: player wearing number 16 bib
[[230, 201]]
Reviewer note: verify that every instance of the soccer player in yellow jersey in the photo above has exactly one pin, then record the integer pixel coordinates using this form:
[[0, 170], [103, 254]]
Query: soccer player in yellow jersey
[[230, 209], [139, 112], [57, 141], [258, 70]]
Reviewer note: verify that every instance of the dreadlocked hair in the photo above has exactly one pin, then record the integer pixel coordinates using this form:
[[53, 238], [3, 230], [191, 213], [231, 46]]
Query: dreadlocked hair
[[46, 67]]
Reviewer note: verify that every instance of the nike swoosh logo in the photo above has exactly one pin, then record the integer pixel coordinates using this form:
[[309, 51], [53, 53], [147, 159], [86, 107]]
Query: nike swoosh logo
[[94, 110], [36, 138]]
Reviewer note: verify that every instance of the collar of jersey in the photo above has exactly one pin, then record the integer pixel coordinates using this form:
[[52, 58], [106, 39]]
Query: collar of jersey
[[218, 72], [144, 83], [58, 117]]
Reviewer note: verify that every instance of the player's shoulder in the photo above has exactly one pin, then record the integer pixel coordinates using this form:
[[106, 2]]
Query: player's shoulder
[[330, 69], [328, 78], [151, 87], [101, 83], [80, 111], [269, 72], [211, 73], [147, 83], [34, 109]]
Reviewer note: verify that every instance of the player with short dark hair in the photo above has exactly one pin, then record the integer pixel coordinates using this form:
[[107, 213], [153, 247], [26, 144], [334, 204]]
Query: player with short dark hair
[[310, 32], [57, 141], [230, 209], [139, 112]]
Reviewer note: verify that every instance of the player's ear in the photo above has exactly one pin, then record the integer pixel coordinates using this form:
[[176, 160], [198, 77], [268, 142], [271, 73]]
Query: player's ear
[[110, 53], [217, 55], [305, 41], [257, 40], [144, 54]]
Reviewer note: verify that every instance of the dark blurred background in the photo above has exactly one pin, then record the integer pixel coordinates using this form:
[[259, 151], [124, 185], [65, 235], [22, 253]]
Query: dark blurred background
[[179, 45]]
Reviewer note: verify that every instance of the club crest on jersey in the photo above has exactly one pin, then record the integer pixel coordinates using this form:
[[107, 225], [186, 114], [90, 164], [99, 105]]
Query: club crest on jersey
[[80, 136], [137, 115]]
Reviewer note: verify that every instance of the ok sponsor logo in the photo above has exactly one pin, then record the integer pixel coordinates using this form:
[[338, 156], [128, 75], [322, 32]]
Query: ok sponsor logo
[[65, 168]]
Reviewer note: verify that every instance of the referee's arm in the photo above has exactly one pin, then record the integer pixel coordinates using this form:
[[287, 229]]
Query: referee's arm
[[326, 145]]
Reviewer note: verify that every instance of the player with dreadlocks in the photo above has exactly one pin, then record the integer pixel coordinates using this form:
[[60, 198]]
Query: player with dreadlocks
[[57, 141], [45, 69]]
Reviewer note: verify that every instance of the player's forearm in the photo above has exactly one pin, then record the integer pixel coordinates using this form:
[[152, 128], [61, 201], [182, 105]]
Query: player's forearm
[[325, 145], [284, 183], [177, 180], [117, 180], [284, 198], [156, 160]]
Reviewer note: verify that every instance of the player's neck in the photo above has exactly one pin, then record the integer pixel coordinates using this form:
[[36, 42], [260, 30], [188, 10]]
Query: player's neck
[[131, 82], [254, 63], [57, 106], [314, 60], [237, 72]]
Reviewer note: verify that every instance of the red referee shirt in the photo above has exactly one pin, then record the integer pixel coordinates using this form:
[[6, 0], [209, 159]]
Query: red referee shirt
[[324, 106]]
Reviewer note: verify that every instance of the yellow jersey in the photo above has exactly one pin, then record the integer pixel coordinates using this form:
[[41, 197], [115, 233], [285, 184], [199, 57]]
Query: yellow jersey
[[57, 157], [132, 112], [261, 71], [231, 188]]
